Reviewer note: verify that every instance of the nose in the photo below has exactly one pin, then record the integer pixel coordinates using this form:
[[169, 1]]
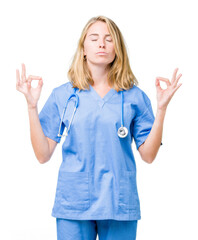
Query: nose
[[101, 43]]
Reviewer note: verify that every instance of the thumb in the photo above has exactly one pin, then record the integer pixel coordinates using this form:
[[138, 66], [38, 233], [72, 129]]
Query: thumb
[[40, 83], [29, 84], [157, 84]]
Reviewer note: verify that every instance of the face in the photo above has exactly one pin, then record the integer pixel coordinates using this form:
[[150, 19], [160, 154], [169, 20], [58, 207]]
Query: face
[[98, 45]]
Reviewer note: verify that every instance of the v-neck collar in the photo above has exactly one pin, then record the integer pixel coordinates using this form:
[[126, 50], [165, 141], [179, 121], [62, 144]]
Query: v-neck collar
[[101, 101]]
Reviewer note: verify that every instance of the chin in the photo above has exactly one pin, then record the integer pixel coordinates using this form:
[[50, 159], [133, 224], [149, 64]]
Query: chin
[[100, 62]]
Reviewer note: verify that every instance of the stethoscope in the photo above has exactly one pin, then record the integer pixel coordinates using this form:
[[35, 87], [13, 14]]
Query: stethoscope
[[122, 131]]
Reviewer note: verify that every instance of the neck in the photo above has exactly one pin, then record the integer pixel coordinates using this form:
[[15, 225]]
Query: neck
[[99, 74]]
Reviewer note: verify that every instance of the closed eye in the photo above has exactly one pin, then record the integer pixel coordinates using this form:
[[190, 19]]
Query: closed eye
[[106, 39]]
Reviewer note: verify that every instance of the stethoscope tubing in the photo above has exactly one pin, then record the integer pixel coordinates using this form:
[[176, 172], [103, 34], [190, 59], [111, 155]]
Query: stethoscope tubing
[[73, 95], [122, 131]]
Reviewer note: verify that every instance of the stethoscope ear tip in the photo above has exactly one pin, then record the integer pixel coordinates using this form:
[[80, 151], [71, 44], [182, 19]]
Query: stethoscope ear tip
[[64, 134]]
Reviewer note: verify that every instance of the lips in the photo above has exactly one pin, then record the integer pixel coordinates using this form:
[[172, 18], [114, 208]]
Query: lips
[[102, 53]]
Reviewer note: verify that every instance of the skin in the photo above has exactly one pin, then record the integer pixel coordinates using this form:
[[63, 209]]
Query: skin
[[99, 64], [43, 146], [148, 150], [99, 67]]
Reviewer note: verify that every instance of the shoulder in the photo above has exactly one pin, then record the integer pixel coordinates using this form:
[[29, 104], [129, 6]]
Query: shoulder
[[137, 96], [63, 91], [63, 88]]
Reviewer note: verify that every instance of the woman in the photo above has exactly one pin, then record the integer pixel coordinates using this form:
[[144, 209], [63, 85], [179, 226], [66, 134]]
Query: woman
[[96, 190]]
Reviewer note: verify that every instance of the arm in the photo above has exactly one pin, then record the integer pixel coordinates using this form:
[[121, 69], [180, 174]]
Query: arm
[[42, 145], [148, 150]]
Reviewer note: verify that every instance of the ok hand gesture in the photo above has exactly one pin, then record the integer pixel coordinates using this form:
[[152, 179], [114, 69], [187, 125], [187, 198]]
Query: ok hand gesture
[[164, 95], [23, 85]]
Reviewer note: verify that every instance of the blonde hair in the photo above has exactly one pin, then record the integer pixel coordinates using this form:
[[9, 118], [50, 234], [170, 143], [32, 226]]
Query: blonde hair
[[120, 75]]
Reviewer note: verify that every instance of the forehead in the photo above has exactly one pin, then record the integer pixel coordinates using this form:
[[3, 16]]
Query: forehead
[[98, 28]]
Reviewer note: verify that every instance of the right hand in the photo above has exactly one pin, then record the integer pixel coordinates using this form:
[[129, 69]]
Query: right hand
[[23, 85]]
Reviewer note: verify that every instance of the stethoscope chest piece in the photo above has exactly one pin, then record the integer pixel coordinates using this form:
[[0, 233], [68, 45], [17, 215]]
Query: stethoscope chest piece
[[122, 132]]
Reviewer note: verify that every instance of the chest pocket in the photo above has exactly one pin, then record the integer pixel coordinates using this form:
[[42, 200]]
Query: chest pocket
[[72, 191]]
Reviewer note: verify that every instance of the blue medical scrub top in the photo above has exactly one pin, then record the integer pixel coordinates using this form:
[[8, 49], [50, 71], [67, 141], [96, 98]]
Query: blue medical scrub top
[[97, 176]]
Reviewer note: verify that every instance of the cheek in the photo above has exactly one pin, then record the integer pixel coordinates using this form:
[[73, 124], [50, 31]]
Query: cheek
[[112, 49], [88, 48], [113, 54]]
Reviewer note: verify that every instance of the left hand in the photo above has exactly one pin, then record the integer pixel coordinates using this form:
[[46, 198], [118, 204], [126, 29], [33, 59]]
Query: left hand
[[164, 95]]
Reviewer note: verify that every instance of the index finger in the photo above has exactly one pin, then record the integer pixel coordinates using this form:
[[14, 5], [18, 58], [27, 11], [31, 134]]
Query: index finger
[[174, 75], [23, 73], [17, 76], [33, 77]]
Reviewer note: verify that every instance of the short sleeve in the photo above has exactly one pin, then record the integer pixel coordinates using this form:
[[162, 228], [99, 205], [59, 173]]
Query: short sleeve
[[143, 122], [50, 118]]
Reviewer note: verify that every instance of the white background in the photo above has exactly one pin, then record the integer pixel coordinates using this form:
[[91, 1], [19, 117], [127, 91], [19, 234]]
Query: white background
[[160, 36]]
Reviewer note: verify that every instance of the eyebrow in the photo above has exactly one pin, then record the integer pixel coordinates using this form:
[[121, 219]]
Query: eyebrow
[[96, 34]]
